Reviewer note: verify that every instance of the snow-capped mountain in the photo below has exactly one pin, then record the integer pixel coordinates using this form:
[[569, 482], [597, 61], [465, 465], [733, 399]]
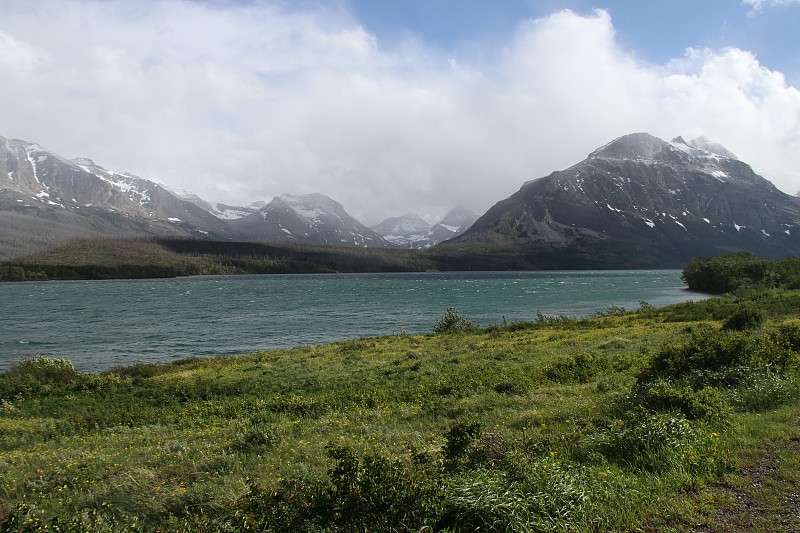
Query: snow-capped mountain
[[306, 217], [456, 221], [411, 231], [640, 201], [403, 231], [223, 211], [43, 195]]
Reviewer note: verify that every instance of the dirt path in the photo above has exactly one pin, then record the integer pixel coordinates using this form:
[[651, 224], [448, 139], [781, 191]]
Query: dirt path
[[764, 500]]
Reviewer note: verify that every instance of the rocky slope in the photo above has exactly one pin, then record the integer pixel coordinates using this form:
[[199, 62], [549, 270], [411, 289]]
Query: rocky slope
[[45, 199], [306, 217], [640, 201]]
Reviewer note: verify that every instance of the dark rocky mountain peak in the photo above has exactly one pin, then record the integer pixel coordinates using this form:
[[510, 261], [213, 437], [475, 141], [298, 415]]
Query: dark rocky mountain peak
[[634, 146], [640, 201], [701, 151]]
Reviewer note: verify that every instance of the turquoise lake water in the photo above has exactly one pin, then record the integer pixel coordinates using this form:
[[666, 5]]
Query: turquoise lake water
[[101, 324]]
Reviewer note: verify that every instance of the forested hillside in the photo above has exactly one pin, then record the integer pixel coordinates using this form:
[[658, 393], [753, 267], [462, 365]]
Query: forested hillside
[[108, 258]]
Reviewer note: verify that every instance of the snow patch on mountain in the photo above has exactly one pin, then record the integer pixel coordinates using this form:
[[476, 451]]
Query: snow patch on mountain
[[411, 231], [700, 154]]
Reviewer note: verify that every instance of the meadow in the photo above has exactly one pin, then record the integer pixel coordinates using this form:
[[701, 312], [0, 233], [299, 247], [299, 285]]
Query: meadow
[[667, 419]]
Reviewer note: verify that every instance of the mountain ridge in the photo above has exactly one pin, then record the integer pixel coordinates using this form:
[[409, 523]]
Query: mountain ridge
[[637, 201], [643, 202], [309, 217], [411, 231]]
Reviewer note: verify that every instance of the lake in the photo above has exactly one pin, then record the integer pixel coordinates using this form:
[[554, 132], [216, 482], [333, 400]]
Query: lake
[[101, 324]]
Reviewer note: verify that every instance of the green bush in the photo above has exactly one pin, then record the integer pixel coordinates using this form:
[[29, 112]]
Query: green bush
[[12, 273], [292, 506], [509, 387], [663, 396], [789, 334], [747, 316], [651, 442], [365, 492], [259, 437], [40, 375], [452, 322], [580, 368], [459, 439], [712, 357]]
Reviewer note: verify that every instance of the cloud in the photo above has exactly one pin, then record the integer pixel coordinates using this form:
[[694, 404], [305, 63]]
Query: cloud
[[759, 5], [243, 101]]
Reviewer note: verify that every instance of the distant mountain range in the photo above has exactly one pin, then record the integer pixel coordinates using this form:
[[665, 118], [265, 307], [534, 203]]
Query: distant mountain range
[[46, 200], [410, 231], [307, 217], [638, 201]]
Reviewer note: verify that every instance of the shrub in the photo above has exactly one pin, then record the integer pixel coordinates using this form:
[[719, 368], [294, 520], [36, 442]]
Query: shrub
[[372, 493], [257, 438], [580, 368], [714, 357], [491, 448], [728, 272], [459, 439], [292, 506], [452, 322], [651, 442], [365, 492], [39, 375], [662, 396], [789, 334], [747, 316], [12, 273], [509, 387]]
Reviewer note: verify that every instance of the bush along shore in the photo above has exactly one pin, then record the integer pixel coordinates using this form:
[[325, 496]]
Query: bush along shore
[[672, 419]]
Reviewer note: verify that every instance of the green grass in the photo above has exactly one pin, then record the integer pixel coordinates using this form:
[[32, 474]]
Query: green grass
[[559, 424]]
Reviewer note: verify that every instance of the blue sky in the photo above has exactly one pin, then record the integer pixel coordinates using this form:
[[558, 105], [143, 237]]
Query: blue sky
[[394, 106], [655, 30]]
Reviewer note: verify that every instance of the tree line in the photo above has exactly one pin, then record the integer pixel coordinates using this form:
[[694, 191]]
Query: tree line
[[735, 271]]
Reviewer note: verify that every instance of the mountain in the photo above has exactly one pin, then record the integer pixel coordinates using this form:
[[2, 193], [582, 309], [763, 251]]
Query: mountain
[[456, 222], [45, 199], [306, 217], [403, 231], [638, 201], [223, 211], [410, 231]]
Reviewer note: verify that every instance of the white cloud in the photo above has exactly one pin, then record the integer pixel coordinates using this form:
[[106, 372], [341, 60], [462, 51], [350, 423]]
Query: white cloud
[[759, 5], [240, 102]]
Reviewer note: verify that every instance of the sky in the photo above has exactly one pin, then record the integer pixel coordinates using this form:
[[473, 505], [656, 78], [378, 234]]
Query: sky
[[394, 106]]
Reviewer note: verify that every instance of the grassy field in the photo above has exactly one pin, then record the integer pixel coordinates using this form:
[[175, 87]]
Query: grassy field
[[676, 419]]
